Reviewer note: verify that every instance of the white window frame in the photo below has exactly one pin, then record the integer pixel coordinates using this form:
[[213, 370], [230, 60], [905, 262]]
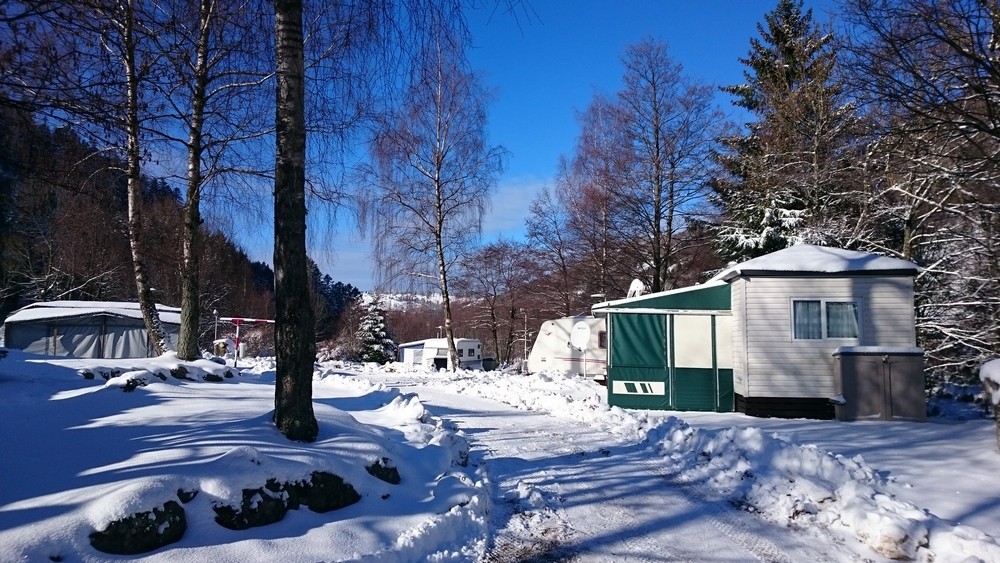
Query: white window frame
[[823, 320]]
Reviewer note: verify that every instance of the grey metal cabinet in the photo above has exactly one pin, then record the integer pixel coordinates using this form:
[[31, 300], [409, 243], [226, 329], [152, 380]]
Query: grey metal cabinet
[[879, 383]]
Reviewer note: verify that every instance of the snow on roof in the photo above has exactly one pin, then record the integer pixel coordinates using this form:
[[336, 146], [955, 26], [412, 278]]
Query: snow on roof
[[812, 259], [46, 310], [434, 342]]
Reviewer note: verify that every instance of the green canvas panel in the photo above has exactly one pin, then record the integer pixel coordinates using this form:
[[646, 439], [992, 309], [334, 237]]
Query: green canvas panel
[[709, 298], [30, 337], [637, 395], [726, 396], [638, 341], [648, 402], [694, 389], [631, 373]]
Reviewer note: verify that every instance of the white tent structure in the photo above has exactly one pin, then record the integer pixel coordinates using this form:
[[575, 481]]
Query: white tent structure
[[86, 329]]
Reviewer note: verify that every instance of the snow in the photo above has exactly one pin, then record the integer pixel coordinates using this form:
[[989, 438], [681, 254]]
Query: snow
[[59, 309], [808, 258], [489, 461], [989, 374], [878, 350], [990, 371]]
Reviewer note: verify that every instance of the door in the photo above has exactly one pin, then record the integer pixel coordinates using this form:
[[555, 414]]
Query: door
[[637, 372]]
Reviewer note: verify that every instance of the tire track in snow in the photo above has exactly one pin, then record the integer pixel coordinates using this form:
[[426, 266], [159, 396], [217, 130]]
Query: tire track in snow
[[597, 498], [722, 516], [545, 530]]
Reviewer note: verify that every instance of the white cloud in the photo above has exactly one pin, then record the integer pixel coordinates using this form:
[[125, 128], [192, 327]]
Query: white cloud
[[509, 208], [347, 258]]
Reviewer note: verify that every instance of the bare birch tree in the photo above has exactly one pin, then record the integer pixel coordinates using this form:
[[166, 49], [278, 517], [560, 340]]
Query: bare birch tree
[[87, 62], [217, 76], [434, 170]]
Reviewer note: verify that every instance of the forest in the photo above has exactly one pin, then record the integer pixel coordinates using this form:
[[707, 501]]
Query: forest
[[879, 132]]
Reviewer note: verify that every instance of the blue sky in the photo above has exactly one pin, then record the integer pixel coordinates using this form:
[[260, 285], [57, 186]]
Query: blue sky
[[546, 66]]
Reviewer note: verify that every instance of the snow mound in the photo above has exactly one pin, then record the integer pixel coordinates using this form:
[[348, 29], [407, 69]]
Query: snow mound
[[790, 484], [989, 374], [206, 444]]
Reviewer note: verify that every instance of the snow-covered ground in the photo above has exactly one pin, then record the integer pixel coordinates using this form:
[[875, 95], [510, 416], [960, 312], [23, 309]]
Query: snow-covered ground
[[493, 467]]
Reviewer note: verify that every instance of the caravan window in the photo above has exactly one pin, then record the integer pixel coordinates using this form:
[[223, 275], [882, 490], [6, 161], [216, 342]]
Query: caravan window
[[816, 319], [602, 339], [460, 351]]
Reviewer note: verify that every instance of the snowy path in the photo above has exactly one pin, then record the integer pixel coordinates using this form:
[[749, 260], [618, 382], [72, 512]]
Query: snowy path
[[565, 492]]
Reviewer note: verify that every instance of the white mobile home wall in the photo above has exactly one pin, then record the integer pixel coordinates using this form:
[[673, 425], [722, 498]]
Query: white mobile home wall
[[768, 362]]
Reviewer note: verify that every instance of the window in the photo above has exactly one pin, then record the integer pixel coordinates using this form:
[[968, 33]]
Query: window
[[807, 320], [841, 319], [816, 319], [460, 352], [602, 339]]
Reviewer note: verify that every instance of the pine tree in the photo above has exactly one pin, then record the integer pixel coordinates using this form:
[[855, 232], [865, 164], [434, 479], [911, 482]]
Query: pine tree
[[375, 343], [788, 173]]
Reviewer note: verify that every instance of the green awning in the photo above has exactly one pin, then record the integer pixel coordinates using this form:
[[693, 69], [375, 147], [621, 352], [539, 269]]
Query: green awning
[[713, 296]]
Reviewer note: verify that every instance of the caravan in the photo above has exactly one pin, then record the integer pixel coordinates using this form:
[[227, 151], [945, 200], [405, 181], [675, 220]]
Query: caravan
[[575, 344], [433, 353]]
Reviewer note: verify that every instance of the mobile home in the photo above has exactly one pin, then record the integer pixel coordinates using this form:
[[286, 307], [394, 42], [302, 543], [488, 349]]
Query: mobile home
[[785, 335], [554, 348], [800, 315], [433, 353]]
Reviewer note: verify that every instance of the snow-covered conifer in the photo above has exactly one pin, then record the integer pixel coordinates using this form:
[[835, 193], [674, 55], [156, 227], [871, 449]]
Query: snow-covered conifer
[[375, 343], [791, 170]]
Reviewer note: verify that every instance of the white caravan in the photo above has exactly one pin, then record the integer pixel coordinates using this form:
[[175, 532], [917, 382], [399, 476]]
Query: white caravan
[[433, 353], [574, 344]]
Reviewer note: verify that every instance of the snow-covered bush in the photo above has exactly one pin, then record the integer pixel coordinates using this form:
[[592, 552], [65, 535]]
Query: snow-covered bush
[[989, 374]]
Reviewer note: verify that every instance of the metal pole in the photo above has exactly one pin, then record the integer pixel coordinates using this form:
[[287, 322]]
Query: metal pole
[[236, 353], [525, 337]]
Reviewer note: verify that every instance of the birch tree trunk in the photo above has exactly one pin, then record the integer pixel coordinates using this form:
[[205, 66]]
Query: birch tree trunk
[[294, 344], [147, 305], [187, 344], [449, 330]]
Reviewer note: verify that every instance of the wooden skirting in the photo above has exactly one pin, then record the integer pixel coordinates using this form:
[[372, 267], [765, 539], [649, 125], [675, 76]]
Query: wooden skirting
[[785, 407]]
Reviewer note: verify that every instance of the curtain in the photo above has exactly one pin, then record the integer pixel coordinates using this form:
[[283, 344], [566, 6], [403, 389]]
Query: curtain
[[842, 320], [807, 320]]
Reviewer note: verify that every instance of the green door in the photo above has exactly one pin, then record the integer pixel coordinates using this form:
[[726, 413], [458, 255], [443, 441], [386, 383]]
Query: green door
[[638, 376]]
